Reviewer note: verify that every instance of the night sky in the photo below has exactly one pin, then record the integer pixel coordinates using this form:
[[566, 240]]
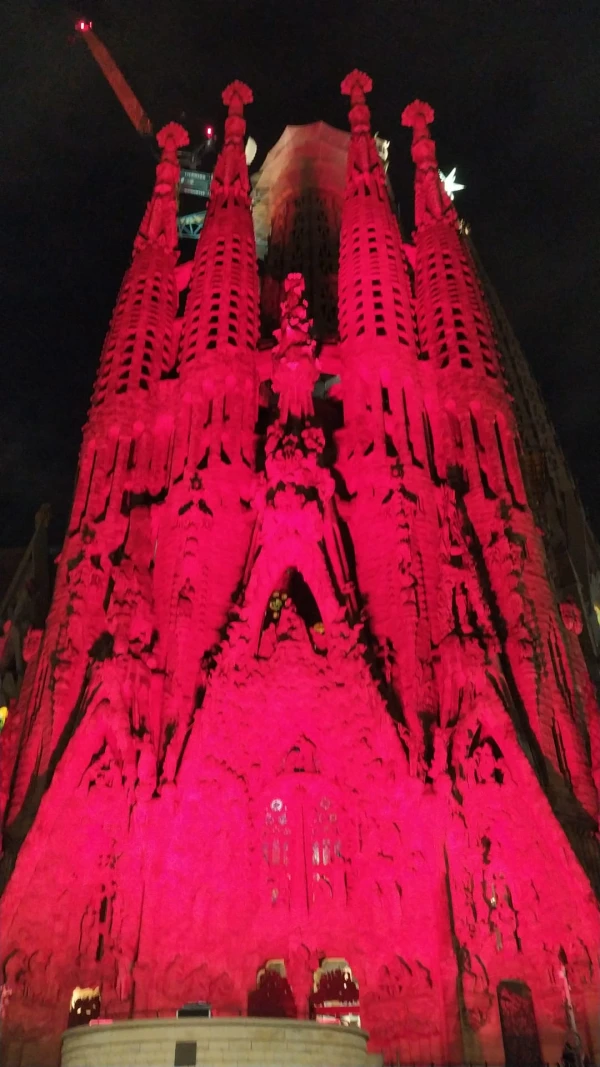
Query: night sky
[[515, 86]]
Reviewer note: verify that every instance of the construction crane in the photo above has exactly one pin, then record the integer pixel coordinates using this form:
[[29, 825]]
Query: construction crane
[[124, 93], [192, 181]]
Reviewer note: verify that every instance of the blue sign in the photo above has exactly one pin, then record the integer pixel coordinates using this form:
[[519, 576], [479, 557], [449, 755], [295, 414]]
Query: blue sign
[[195, 182]]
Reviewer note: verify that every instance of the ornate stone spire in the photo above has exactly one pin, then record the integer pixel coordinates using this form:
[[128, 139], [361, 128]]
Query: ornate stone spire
[[295, 369], [375, 302], [231, 171], [431, 199], [364, 164], [139, 341], [217, 409], [473, 430], [222, 307], [115, 460], [384, 414], [159, 225]]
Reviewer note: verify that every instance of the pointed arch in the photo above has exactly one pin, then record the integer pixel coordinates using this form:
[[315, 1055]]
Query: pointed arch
[[313, 585], [292, 594]]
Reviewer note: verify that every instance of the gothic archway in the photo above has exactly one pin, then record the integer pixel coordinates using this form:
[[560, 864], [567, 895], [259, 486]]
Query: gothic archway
[[335, 997], [291, 604], [273, 997]]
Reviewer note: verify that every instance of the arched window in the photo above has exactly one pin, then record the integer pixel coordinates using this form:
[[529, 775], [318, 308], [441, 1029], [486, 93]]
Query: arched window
[[335, 998], [84, 1006], [326, 848], [273, 997], [302, 845], [276, 850]]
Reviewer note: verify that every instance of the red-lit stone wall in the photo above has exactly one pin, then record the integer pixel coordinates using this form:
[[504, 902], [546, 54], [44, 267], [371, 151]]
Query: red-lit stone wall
[[299, 704]]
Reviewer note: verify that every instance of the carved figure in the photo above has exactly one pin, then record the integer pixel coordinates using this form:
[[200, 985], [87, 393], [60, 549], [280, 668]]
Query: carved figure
[[295, 369]]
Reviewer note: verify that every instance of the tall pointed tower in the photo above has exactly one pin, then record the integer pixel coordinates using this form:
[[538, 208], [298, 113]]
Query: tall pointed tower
[[103, 566], [383, 447], [204, 530], [308, 734], [477, 453]]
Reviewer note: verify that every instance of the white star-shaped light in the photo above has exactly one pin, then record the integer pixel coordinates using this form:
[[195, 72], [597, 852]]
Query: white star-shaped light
[[450, 184]]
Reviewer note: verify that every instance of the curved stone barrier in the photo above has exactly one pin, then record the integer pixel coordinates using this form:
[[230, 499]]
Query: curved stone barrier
[[211, 1042]]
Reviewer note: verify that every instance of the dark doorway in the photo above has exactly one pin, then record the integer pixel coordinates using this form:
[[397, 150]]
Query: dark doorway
[[272, 998], [519, 1028]]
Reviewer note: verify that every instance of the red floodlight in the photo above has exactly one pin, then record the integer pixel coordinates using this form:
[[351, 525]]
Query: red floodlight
[[83, 25]]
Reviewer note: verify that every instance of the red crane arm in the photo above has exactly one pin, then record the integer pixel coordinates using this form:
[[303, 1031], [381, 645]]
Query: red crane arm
[[115, 79]]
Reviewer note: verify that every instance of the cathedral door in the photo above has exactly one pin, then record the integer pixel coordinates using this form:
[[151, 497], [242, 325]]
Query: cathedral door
[[519, 1028]]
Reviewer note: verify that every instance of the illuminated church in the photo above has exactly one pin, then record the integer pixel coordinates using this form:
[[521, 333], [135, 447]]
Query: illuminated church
[[309, 740]]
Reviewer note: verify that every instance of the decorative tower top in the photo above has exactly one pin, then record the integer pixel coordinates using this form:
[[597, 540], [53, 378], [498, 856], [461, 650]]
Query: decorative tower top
[[295, 369], [159, 225], [140, 339], [375, 302], [364, 164], [432, 202], [231, 171], [222, 307], [355, 85]]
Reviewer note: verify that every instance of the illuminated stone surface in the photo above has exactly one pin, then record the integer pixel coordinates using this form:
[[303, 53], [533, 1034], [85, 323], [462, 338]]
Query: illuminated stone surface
[[305, 693], [224, 1041]]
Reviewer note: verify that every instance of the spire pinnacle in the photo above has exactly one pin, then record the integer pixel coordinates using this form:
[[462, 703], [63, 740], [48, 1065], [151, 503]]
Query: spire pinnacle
[[431, 199], [231, 171], [171, 137], [356, 85], [364, 165], [235, 95], [159, 225]]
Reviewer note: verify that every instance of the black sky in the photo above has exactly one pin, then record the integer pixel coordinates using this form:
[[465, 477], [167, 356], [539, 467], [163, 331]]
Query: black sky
[[515, 85]]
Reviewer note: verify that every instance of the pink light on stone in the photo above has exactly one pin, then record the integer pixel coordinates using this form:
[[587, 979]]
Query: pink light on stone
[[307, 731]]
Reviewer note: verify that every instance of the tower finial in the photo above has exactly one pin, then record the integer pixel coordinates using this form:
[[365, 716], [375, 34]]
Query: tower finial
[[364, 166], [356, 85], [231, 171], [431, 199], [235, 96], [171, 137], [159, 225]]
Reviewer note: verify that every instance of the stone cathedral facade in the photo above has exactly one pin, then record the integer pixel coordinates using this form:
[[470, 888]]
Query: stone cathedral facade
[[308, 731]]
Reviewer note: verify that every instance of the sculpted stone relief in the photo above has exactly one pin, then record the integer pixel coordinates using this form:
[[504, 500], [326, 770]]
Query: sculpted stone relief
[[251, 797]]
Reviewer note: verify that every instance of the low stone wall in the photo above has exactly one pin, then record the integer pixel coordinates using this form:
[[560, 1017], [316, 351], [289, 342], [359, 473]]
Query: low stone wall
[[216, 1043]]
